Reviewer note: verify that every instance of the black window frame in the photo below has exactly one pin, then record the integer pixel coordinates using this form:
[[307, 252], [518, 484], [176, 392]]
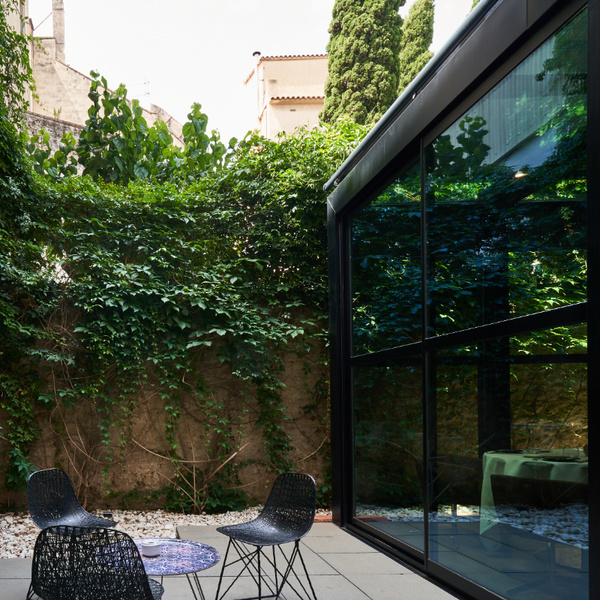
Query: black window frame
[[500, 36]]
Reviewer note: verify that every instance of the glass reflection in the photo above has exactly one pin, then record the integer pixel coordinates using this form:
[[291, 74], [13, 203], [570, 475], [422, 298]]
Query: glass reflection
[[506, 194], [506, 433], [388, 450], [512, 515], [386, 267]]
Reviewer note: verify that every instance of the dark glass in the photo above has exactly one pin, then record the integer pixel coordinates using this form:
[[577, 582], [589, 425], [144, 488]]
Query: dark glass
[[388, 450], [506, 194], [386, 267], [504, 458], [508, 464]]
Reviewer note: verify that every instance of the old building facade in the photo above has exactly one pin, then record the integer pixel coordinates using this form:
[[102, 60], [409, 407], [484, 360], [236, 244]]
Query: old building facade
[[290, 91], [61, 101]]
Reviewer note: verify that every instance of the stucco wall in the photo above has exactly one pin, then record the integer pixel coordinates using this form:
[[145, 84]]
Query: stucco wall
[[290, 91], [293, 76], [287, 115], [62, 91]]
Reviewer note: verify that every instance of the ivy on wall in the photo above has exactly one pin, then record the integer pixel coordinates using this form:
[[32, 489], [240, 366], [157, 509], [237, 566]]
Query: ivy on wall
[[152, 274], [125, 278]]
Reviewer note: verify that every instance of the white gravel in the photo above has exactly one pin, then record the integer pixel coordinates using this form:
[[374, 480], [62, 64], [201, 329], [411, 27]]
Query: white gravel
[[18, 532], [568, 523]]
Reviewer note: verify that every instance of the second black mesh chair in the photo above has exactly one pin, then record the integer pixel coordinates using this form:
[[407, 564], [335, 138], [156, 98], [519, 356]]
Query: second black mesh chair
[[89, 563], [287, 517], [52, 501]]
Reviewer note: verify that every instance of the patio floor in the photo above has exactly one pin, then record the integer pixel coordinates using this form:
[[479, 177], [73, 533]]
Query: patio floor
[[341, 566]]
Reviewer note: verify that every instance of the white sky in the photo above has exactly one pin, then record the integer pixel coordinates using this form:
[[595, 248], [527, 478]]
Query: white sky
[[184, 51]]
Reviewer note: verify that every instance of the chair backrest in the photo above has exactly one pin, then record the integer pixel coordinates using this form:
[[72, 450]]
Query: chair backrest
[[51, 497], [292, 503], [88, 563]]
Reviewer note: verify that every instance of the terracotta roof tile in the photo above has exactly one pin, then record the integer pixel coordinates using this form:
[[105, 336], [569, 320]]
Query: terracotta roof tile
[[297, 98], [292, 56]]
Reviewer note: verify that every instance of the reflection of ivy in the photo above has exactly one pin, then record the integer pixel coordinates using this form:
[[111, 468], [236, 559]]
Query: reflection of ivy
[[388, 434], [523, 235], [500, 244], [469, 153], [386, 265]]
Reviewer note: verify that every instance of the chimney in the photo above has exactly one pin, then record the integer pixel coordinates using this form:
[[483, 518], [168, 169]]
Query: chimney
[[58, 28], [259, 106]]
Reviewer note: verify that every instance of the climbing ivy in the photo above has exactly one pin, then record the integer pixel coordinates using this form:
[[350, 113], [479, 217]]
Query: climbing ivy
[[232, 264], [15, 71], [158, 261], [146, 280]]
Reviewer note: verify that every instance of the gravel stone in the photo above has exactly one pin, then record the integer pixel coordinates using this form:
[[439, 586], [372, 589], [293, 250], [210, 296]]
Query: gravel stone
[[567, 523], [18, 532]]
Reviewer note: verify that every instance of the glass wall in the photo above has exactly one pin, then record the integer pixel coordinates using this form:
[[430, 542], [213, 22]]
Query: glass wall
[[386, 267], [468, 370], [506, 190], [388, 456]]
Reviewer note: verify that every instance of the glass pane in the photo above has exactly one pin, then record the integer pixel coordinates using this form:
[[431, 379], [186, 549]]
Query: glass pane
[[388, 450], [508, 464], [506, 194], [386, 267]]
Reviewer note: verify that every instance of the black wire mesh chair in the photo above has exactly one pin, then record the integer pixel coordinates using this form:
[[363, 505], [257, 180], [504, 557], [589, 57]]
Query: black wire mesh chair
[[89, 563], [52, 501], [287, 517]]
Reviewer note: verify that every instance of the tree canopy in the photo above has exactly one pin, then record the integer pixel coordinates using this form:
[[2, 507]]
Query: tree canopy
[[417, 35], [363, 49]]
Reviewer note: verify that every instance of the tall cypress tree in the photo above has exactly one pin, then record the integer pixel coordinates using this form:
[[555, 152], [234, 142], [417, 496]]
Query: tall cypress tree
[[417, 35], [363, 51]]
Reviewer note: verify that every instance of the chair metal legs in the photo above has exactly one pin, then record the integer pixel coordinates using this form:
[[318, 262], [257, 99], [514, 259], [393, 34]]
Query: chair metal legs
[[253, 558]]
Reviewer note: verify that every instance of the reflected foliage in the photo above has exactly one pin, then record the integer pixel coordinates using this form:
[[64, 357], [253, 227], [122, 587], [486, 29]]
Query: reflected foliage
[[388, 436], [386, 267], [503, 220]]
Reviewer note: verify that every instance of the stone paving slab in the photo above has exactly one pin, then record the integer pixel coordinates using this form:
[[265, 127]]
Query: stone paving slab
[[341, 566]]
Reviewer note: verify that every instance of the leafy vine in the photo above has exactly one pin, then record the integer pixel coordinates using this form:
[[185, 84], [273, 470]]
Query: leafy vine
[[121, 284]]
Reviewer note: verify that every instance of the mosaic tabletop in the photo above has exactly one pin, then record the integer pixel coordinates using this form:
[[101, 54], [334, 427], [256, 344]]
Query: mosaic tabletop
[[178, 557]]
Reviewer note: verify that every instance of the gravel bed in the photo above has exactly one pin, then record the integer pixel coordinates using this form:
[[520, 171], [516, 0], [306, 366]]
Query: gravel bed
[[568, 523], [18, 532]]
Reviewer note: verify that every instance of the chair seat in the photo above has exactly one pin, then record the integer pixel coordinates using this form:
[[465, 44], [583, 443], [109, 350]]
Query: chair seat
[[70, 587], [89, 563], [257, 533]]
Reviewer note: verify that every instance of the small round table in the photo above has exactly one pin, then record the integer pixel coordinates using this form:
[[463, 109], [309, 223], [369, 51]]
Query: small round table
[[180, 557]]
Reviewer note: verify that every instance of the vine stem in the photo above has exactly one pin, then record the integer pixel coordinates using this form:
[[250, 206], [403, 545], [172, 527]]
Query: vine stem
[[191, 461]]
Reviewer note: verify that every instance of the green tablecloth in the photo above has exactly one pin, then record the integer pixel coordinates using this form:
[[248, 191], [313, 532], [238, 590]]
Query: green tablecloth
[[568, 466]]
